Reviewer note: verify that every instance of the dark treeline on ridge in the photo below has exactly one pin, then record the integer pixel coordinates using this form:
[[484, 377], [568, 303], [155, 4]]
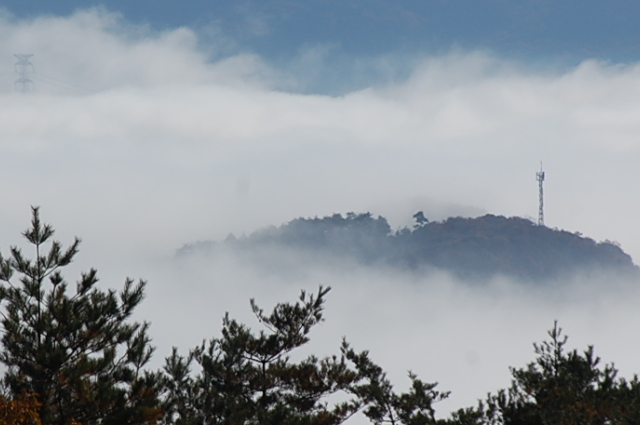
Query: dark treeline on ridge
[[472, 248], [76, 357]]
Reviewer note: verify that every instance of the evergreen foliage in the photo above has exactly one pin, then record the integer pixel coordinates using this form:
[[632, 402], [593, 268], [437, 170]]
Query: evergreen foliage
[[248, 378], [22, 410], [559, 388], [567, 387], [77, 353]]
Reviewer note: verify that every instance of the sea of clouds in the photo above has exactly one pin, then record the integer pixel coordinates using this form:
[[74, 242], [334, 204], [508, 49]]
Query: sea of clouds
[[140, 141]]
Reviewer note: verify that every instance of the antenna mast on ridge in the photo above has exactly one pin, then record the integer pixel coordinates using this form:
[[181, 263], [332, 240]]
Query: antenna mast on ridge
[[24, 83], [540, 179]]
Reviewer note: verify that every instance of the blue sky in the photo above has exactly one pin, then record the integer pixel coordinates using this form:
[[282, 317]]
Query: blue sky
[[565, 30], [350, 35]]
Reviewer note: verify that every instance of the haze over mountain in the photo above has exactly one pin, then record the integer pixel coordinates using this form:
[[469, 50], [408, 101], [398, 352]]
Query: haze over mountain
[[473, 249]]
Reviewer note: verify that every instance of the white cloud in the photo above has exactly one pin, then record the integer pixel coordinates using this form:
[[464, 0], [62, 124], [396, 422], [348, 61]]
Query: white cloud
[[166, 147], [96, 50], [461, 335]]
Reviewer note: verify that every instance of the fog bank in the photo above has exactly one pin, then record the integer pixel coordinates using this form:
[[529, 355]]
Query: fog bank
[[146, 143]]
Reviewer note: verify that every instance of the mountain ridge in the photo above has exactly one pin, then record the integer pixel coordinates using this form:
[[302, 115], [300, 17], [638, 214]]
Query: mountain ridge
[[469, 248]]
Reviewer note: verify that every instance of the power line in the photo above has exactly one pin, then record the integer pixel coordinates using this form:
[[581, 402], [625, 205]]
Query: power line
[[59, 83], [24, 68]]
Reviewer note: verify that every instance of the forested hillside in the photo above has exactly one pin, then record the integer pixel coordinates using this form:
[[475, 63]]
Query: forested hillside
[[474, 248]]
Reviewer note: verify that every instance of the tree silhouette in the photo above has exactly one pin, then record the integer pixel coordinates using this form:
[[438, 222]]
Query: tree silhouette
[[560, 387], [76, 353], [248, 378], [420, 219]]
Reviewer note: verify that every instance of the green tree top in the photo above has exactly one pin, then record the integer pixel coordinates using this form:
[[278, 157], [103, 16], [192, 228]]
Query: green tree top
[[244, 377], [78, 352]]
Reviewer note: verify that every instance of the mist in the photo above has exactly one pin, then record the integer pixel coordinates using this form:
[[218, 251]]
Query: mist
[[140, 141], [462, 335]]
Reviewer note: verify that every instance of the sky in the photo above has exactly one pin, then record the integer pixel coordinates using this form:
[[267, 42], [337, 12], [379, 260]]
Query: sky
[[148, 128]]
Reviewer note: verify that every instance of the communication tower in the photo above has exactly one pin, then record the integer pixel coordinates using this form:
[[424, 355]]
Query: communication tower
[[23, 83], [540, 179]]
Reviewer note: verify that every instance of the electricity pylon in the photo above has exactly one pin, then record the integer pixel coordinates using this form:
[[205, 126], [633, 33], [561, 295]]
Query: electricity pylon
[[23, 83]]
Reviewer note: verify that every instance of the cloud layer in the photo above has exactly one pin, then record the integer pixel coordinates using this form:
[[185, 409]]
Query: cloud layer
[[462, 336], [138, 142]]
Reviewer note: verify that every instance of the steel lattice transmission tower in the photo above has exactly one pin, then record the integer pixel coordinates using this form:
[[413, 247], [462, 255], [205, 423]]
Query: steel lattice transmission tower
[[540, 179], [23, 83]]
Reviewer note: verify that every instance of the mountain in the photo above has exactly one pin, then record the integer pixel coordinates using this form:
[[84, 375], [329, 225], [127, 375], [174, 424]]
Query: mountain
[[470, 248]]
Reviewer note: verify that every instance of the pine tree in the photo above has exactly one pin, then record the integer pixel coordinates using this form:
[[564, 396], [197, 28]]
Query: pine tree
[[248, 378], [561, 387], [77, 353], [20, 411]]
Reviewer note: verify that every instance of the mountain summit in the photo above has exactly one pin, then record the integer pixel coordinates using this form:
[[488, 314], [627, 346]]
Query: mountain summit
[[470, 248]]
